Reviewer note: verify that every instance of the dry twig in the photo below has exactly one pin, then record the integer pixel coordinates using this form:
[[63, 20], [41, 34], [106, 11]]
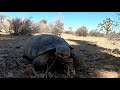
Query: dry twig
[[49, 68]]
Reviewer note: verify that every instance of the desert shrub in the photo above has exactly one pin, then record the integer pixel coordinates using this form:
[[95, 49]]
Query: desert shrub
[[15, 25], [44, 27], [6, 28], [49, 28], [56, 31], [113, 35], [46, 30], [21, 26], [68, 32], [3, 24], [82, 31], [96, 33], [1, 27], [58, 27], [29, 28]]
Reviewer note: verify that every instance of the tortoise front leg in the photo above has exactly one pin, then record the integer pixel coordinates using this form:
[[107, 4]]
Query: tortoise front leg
[[40, 61]]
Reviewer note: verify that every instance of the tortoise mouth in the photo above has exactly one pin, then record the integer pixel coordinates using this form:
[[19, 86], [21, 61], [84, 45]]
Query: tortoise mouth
[[62, 56], [66, 61]]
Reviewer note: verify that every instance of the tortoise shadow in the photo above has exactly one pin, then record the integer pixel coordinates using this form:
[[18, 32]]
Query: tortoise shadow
[[97, 59]]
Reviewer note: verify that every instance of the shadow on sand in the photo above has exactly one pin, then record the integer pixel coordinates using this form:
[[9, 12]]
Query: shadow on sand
[[99, 61], [101, 64]]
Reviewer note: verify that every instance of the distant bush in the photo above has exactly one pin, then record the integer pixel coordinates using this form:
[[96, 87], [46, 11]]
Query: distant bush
[[114, 35], [96, 34], [58, 27], [68, 32], [4, 27], [56, 31], [21, 26], [82, 31]]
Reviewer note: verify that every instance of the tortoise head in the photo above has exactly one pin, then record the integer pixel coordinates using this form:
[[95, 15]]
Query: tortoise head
[[62, 51]]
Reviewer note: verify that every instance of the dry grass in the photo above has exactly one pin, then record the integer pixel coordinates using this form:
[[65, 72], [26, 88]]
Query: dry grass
[[99, 41], [97, 52], [107, 74]]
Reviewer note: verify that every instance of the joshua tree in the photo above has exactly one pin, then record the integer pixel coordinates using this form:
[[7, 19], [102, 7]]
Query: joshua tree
[[107, 25]]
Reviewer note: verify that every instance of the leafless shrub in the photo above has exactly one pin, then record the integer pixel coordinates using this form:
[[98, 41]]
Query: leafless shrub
[[21, 26], [114, 36], [58, 27], [69, 32], [96, 33]]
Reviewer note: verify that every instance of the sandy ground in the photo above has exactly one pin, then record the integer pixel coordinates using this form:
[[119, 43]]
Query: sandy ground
[[101, 55]]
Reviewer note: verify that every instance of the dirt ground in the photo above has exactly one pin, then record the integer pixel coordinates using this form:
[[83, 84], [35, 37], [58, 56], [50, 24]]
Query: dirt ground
[[101, 55]]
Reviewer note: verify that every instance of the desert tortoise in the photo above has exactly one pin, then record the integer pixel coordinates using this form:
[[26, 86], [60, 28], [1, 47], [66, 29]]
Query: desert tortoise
[[41, 48]]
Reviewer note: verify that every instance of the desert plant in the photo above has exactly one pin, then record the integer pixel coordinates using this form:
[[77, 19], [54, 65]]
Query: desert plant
[[69, 31], [43, 21], [96, 33], [21, 26], [3, 26], [49, 28], [82, 31], [43, 25], [15, 25], [26, 27], [113, 35], [107, 25], [93, 33], [58, 27]]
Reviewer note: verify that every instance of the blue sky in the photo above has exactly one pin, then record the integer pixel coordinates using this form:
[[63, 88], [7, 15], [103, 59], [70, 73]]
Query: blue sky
[[70, 19]]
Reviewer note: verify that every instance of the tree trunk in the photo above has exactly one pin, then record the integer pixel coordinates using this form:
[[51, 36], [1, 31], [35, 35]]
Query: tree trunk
[[107, 32]]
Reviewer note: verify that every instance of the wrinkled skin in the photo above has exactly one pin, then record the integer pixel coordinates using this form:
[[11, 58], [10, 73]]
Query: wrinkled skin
[[62, 51]]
